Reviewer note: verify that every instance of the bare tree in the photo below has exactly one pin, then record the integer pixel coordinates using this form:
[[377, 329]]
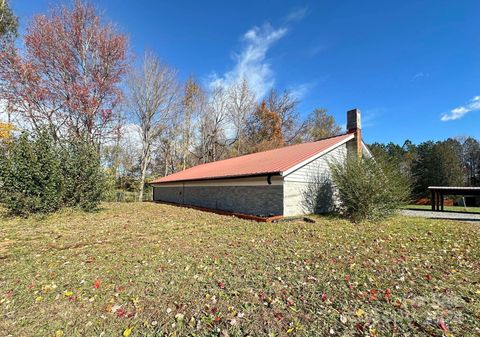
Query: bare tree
[[285, 106], [212, 126], [167, 157], [241, 105], [153, 92], [191, 105]]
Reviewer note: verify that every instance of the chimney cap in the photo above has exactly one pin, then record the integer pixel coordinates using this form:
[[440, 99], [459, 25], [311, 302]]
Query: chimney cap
[[353, 120]]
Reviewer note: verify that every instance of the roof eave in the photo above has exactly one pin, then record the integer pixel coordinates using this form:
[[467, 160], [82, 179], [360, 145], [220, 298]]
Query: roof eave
[[316, 156]]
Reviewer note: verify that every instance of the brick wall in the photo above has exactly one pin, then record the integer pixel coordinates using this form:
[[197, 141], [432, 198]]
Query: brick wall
[[266, 200]]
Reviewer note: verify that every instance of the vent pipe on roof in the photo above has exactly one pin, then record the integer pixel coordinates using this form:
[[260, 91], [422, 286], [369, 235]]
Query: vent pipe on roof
[[354, 126]]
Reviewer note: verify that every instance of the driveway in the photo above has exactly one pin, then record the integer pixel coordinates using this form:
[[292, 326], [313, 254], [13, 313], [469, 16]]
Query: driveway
[[467, 217]]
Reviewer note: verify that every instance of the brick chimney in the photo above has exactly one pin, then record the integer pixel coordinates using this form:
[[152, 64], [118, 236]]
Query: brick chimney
[[354, 126]]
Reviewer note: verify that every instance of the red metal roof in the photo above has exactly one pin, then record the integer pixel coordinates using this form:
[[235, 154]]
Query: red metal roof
[[267, 162]]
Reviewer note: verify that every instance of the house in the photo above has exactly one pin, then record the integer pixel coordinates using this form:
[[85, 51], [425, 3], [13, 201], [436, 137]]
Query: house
[[269, 183]]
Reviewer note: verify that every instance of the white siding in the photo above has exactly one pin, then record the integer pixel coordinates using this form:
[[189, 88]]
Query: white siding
[[295, 183], [319, 165]]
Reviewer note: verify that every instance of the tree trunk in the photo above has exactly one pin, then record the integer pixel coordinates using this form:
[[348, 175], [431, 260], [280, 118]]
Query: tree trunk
[[186, 140], [144, 165], [142, 182]]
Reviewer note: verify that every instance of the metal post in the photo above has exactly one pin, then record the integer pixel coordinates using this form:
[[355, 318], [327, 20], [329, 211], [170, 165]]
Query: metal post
[[432, 200]]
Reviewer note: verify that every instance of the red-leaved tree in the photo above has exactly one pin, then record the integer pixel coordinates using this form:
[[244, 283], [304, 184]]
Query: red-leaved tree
[[67, 77]]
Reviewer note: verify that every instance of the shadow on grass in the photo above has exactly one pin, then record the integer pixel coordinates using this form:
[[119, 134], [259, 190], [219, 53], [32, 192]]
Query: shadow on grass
[[6, 215], [458, 219]]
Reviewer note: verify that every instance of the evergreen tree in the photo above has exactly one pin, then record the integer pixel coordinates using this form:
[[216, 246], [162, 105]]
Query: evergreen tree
[[31, 175], [84, 178], [437, 164], [8, 21], [471, 161]]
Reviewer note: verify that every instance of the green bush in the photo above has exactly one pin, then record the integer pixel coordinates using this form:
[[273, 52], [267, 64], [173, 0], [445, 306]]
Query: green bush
[[109, 187], [84, 177], [31, 175], [40, 175], [369, 189]]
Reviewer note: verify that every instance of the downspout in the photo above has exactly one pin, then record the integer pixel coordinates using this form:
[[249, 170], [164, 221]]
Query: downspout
[[183, 193]]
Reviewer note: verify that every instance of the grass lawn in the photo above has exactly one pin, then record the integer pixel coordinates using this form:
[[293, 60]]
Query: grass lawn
[[152, 270], [446, 208]]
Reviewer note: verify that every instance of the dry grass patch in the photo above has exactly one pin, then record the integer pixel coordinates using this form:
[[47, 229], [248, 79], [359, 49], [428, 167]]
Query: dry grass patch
[[153, 270]]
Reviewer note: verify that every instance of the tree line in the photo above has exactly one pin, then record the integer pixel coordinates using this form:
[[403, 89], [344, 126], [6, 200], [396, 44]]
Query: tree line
[[72, 79], [74, 76], [452, 162]]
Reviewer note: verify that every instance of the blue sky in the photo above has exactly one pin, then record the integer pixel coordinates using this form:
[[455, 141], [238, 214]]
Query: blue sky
[[406, 64]]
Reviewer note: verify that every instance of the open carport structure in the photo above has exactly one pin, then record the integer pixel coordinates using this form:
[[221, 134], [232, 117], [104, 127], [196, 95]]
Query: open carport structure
[[439, 193]]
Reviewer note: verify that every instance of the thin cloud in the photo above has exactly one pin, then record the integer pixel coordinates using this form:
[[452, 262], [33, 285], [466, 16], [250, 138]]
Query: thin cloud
[[252, 63], [301, 90], [419, 76], [297, 14], [370, 117], [459, 112], [315, 50]]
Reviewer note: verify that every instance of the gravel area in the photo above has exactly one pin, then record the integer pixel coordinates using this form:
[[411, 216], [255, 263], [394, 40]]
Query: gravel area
[[469, 217]]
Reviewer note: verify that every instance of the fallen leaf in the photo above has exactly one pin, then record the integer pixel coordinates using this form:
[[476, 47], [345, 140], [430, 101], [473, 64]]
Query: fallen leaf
[[127, 332], [120, 312], [442, 325], [360, 312]]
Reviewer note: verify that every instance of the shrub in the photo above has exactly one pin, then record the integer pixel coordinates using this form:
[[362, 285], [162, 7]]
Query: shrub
[[368, 189], [84, 177], [40, 175], [31, 175], [109, 187]]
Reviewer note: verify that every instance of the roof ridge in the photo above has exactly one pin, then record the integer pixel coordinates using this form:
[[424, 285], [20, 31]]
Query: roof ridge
[[324, 138], [265, 151]]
